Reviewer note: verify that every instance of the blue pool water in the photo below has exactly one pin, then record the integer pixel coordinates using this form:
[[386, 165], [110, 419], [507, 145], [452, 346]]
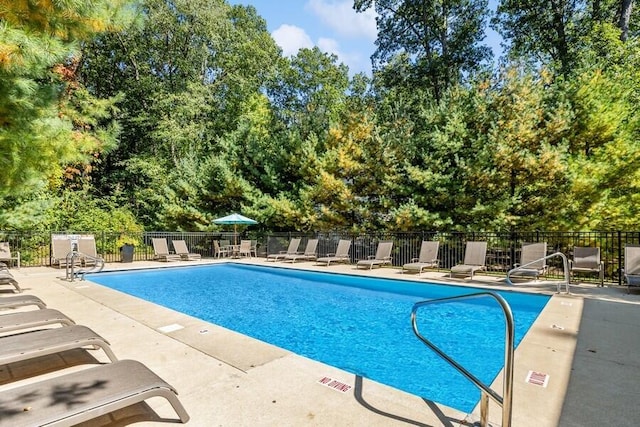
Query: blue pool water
[[358, 324]]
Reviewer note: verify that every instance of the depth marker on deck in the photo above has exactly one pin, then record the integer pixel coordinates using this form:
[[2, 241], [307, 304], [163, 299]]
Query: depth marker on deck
[[335, 384], [537, 378], [170, 328]]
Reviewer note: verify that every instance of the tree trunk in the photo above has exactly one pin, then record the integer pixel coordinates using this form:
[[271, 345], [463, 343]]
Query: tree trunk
[[625, 16], [561, 44]]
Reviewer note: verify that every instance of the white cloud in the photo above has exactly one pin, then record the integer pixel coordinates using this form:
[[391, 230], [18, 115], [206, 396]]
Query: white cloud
[[340, 16], [329, 46], [291, 39], [352, 60]]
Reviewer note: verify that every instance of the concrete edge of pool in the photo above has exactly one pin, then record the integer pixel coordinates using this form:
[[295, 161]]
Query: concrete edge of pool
[[227, 379]]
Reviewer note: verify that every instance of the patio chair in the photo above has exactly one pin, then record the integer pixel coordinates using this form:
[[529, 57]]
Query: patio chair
[[219, 251], [308, 255], [340, 255], [181, 249], [6, 278], [87, 248], [475, 254], [245, 248], [16, 301], [60, 248], [532, 261], [587, 260], [632, 266], [382, 256], [6, 255], [32, 319], [29, 345], [83, 395], [161, 250], [428, 258], [292, 250]]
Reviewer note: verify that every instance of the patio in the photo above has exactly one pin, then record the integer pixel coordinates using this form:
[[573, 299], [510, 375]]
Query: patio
[[584, 342]]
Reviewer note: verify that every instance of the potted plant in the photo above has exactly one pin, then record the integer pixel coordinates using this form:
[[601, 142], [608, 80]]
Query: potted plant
[[126, 244]]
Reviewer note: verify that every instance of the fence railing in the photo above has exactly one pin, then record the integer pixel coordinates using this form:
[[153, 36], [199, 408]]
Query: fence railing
[[502, 253]]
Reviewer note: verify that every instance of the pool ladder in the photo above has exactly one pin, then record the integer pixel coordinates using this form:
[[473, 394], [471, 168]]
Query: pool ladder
[[565, 265], [485, 390], [74, 257]]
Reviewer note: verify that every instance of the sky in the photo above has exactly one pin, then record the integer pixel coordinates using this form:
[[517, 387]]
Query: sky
[[332, 25]]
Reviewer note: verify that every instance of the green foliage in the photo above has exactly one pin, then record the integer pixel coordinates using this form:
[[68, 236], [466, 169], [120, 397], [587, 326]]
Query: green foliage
[[439, 41], [41, 105], [189, 112], [35, 210], [309, 92], [605, 134]]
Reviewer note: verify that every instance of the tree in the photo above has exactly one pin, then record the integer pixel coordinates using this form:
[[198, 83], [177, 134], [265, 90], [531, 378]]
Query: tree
[[439, 40], [540, 31], [188, 72], [553, 31], [604, 145], [309, 92], [626, 7], [47, 120], [521, 175]]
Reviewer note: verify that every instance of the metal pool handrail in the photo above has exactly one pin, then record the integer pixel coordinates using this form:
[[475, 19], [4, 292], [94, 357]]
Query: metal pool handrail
[[565, 265], [486, 391], [71, 272]]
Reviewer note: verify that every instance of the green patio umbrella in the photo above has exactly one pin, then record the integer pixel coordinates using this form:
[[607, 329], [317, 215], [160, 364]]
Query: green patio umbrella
[[235, 219]]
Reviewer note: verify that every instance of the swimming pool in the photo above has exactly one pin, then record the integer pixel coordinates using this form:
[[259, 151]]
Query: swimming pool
[[358, 324]]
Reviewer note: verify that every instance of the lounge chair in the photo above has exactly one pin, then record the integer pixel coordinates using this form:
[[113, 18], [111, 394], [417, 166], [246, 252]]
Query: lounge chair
[[219, 251], [532, 262], [60, 248], [21, 301], [181, 249], [83, 395], [475, 254], [382, 256], [29, 345], [587, 260], [32, 319], [292, 250], [340, 255], [161, 250], [428, 258], [6, 278], [6, 255], [308, 255], [632, 265], [87, 248]]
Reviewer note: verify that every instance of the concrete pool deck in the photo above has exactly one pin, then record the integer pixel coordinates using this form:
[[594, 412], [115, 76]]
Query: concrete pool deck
[[584, 347]]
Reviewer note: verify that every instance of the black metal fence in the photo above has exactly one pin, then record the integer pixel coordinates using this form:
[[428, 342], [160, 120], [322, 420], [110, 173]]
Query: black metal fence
[[502, 253], [503, 248]]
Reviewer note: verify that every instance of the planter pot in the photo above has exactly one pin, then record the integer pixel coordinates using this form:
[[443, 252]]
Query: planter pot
[[126, 253]]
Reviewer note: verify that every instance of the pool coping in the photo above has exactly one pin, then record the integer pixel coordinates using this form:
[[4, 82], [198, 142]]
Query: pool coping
[[242, 381]]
